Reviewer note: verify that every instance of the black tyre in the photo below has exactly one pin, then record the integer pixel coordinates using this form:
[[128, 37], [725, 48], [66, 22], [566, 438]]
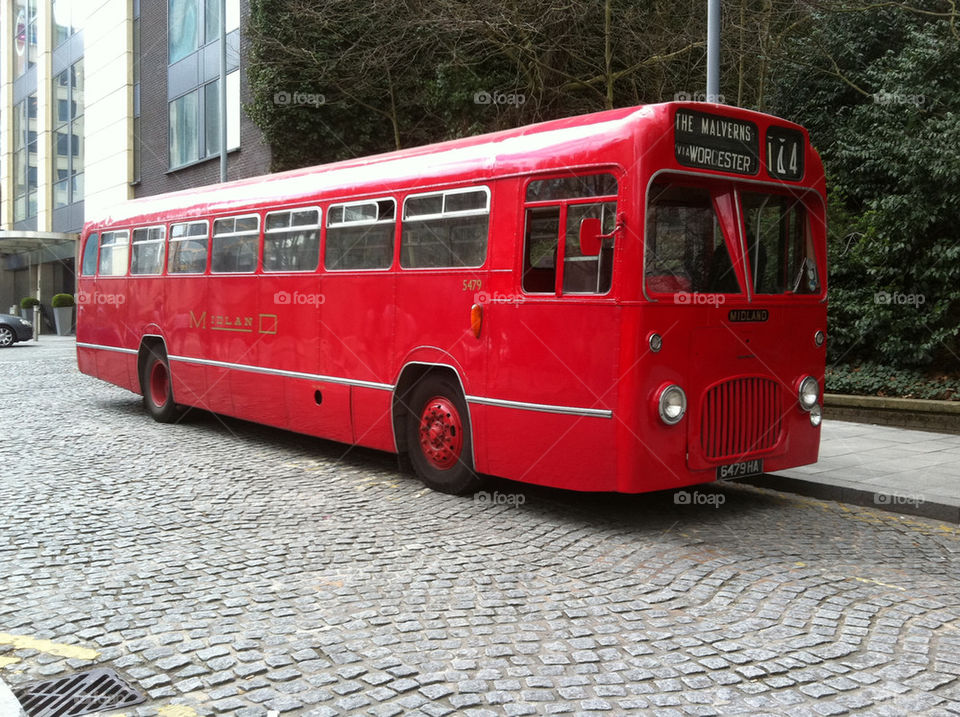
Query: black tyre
[[157, 387], [439, 439], [6, 337]]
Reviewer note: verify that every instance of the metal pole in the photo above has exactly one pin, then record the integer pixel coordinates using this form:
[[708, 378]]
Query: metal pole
[[713, 51], [223, 90], [36, 309]]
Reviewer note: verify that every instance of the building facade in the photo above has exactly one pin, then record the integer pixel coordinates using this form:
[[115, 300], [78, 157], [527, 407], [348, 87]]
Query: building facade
[[102, 101]]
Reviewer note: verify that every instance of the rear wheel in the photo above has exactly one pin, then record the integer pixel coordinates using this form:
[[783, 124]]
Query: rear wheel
[[156, 387], [6, 336], [438, 437]]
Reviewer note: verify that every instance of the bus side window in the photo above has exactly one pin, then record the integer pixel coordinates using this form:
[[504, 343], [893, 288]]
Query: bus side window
[[188, 248], [540, 250], [588, 274], [89, 265], [569, 200], [148, 246], [114, 253], [291, 240], [360, 235], [445, 229], [234, 244]]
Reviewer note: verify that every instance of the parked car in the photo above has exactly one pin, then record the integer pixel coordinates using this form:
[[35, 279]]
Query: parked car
[[13, 329]]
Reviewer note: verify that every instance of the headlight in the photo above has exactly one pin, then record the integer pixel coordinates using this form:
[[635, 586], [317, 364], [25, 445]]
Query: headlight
[[672, 404], [809, 393], [26, 323], [816, 415]]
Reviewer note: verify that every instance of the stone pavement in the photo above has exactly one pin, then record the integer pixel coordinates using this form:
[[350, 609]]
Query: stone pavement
[[227, 568], [910, 472]]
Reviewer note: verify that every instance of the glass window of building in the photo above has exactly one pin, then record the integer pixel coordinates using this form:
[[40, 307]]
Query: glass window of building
[[195, 122], [66, 19], [183, 28], [24, 35], [211, 114], [184, 130], [194, 128], [25, 159], [68, 136], [195, 23]]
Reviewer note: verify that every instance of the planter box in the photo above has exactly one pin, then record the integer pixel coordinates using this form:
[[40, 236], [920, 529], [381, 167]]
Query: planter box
[[918, 414], [63, 315]]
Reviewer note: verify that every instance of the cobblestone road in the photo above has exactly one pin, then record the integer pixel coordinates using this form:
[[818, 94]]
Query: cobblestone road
[[227, 568]]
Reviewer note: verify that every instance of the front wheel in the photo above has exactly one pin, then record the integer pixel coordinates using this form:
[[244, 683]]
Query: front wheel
[[157, 389], [438, 437], [6, 336]]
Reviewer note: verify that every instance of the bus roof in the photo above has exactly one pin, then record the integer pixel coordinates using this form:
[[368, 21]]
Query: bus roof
[[528, 148]]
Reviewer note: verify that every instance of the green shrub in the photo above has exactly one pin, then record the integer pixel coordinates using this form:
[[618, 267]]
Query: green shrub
[[62, 300], [28, 302], [869, 379]]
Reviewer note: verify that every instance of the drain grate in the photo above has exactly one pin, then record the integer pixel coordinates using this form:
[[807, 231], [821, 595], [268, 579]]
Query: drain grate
[[80, 694]]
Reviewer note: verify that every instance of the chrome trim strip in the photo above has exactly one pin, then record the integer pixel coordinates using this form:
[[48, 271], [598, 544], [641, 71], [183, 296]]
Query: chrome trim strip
[[282, 372], [543, 407], [480, 400], [107, 348]]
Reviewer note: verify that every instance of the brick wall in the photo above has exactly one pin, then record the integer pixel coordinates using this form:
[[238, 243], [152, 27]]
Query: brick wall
[[253, 157]]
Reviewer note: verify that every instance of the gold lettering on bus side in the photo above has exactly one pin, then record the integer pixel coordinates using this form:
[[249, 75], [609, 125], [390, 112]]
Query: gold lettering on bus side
[[226, 323], [268, 324]]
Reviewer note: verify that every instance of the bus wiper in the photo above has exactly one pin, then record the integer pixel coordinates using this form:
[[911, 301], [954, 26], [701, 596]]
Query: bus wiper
[[805, 266]]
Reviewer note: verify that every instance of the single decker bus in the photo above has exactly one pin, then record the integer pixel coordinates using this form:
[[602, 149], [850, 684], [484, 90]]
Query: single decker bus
[[631, 300]]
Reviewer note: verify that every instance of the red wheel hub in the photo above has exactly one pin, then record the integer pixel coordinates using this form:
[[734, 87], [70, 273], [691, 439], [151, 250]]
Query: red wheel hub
[[441, 433], [159, 384]]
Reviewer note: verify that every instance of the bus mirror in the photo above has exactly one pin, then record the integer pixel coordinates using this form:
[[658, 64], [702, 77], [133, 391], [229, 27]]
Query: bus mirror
[[591, 236]]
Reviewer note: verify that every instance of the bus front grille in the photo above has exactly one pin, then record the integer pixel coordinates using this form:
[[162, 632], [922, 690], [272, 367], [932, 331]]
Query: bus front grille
[[740, 417]]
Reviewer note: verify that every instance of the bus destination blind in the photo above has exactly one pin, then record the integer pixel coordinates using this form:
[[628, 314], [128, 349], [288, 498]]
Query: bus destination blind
[[709, 141]]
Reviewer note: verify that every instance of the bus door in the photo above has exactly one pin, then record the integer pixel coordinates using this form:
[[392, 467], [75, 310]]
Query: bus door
[[554, 336]]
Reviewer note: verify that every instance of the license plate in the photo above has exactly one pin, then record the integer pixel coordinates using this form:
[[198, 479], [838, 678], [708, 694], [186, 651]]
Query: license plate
[[740, 470]]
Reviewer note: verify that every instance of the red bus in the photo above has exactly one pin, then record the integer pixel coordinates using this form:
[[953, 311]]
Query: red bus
[[632, 300]]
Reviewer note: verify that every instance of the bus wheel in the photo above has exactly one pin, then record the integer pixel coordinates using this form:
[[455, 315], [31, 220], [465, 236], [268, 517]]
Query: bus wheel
[[438, 437], [157, 391]]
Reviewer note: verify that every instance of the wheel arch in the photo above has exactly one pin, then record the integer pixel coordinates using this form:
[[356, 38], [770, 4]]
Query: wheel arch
[[412, 373], [148, 342]]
